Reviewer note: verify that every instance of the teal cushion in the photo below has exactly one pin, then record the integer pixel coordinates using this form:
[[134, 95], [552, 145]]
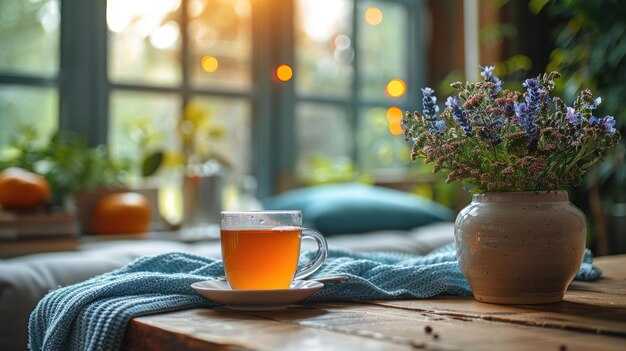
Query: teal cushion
[[357, 208]]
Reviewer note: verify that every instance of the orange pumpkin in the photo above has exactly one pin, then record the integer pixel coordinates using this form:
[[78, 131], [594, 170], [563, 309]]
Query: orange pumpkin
[[22, 190], [121, 213]]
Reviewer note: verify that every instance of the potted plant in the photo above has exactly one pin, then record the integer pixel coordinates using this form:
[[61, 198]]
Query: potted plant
[[206, 170], [66, 161], [79, 175], [520, 240]]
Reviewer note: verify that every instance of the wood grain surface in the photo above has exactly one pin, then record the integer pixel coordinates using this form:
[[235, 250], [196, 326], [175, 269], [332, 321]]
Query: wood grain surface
[[592, 317]]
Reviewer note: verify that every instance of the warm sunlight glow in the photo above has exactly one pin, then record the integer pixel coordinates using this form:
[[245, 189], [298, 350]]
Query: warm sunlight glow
[[122, 13], [394, 114], [395, 128], [396, 88], [209, 63], [165, 36], [322, 17], [284, 73], [195, 8], [373, 16]]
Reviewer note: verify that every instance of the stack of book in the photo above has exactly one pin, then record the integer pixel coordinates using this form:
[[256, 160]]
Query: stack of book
[[37, 231]]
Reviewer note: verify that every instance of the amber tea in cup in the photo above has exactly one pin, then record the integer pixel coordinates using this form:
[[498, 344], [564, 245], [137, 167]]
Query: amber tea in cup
[[261, 249]]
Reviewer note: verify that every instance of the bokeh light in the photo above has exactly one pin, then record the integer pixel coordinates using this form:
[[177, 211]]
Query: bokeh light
[[373, 16], [209, 63], [396, 88], [342, 42], [394, 119], [165, 36], [284, 73], [394, 114], [395, 128]]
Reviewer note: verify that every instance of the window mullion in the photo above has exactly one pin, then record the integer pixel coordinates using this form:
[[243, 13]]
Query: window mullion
[[416, 64], [356, 82], [184, 21], [264, 166], [28, 80], [82, 79], [284, 39]]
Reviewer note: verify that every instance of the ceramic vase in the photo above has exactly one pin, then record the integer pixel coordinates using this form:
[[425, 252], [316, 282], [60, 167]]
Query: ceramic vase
[[520, 247]]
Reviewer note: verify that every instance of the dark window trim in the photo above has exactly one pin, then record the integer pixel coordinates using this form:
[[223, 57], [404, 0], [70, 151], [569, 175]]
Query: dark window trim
[[82, 78], [11, 79]]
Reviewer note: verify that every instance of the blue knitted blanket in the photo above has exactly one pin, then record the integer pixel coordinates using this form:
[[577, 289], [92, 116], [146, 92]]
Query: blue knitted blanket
[[93, 315]]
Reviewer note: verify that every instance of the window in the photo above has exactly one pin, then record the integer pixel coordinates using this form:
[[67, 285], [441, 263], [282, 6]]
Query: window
[[131, 72], [170, 55], [347, 53], [29, 67]]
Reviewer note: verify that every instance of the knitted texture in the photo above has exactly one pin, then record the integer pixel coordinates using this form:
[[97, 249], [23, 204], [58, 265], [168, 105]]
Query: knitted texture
[[93, 315]]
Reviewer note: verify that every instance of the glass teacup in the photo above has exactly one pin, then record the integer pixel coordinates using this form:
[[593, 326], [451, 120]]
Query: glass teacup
[[261, 249]]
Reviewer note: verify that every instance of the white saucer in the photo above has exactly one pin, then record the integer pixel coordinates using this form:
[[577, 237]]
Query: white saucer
[[256, 300]]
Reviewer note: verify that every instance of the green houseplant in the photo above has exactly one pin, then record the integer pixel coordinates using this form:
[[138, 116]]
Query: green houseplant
[[78, 174], [66, 161], [520, 240]]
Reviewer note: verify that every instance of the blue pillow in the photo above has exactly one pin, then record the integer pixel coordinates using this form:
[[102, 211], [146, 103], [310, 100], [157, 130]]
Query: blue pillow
[[357, 208]]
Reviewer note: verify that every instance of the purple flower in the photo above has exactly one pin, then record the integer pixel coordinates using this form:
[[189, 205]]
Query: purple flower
[[439, 126], [431, 110], [487, 73], [594, 121], [459, 115], [535, 94], [526, 118], [608, 123], [527, 111], [575, 118], [598, 101], [429, 104]]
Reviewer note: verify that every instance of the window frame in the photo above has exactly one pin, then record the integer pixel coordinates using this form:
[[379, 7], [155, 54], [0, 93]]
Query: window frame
[[416, 77], [84, 88]]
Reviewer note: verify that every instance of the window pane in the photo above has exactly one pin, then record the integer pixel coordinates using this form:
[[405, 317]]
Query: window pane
[[220, 43], [142, 123], [324, 50], [29, 37], [379, 149], [324, 137], [226, 130], [26, 106], [144, 41], [383, 30]]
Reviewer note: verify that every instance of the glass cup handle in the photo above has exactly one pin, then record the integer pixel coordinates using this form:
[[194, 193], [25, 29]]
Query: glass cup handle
[[322, 252]]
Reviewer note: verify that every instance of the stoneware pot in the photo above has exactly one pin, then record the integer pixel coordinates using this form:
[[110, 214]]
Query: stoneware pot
[[520, 247]]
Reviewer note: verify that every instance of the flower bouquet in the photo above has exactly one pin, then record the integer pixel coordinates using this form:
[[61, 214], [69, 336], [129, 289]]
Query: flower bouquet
[[496, 140]]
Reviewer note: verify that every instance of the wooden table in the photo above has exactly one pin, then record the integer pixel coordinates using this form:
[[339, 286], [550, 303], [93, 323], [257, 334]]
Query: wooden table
[[592, 317]]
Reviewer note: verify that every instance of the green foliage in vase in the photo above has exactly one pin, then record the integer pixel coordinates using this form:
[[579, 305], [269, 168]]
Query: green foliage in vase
[[497, 140]]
